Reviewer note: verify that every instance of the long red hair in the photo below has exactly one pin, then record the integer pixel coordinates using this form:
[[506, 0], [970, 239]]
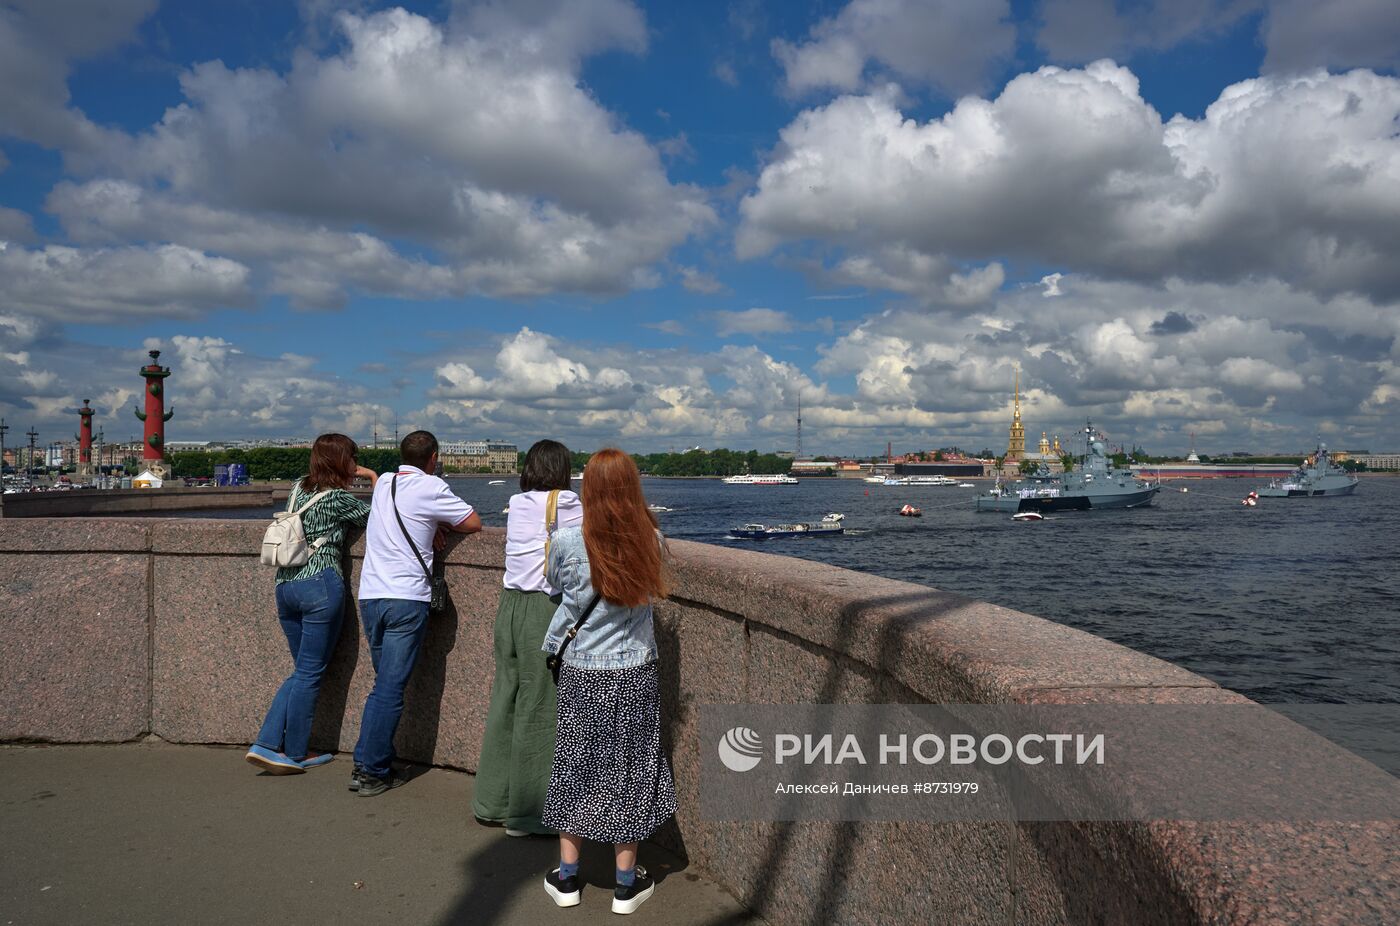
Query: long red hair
[[619, 532]]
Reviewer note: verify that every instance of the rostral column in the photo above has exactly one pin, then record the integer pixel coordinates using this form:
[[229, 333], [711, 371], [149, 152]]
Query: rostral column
[[155, 416], [85, 439]]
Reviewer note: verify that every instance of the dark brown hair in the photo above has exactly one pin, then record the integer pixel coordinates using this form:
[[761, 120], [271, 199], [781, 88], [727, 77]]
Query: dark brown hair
[[418, 448], [619, 532], [547, 466], [332, 463]]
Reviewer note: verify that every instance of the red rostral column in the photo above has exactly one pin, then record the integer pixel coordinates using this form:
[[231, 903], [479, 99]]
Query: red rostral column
[[155, 416], [85, 439]]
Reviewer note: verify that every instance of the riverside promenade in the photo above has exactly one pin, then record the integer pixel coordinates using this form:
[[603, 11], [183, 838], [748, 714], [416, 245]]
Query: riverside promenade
[[159, 835], [114, 630]]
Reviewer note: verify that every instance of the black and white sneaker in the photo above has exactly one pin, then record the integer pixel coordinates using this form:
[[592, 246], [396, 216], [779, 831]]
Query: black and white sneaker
[[564, 891], [371, 785], [628, 899], [355, 777]]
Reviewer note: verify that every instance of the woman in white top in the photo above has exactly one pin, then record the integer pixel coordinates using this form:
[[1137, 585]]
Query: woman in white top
[[518, 747]]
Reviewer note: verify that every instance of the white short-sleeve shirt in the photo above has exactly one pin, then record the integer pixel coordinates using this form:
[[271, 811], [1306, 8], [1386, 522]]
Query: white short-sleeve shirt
[[390, 569], [525, 536]]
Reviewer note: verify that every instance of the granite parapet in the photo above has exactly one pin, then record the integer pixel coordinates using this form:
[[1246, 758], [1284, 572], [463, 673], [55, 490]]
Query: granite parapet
[[111, 628]]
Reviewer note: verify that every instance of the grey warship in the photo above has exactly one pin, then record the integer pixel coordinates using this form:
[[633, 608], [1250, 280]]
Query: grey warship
[[1314, 478], [1096, 484]]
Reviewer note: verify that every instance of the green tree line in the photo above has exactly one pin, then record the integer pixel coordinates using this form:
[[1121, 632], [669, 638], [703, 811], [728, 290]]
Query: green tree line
[[270, 463]]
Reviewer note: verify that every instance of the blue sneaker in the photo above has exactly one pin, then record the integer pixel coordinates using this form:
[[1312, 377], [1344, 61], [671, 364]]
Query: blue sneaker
[[274, 763]]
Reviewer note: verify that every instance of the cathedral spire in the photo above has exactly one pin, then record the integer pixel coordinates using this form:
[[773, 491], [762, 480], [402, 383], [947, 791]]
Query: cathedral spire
[[1016, 435]]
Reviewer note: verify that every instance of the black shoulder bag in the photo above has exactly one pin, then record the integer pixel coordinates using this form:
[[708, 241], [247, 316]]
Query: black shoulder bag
[[555, 660], [440, 599]]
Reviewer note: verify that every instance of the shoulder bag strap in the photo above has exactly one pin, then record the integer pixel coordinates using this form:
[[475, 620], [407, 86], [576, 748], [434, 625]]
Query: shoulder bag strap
[[319, 542], [551, 522], [313, 500], [394, 501], [573, 631]]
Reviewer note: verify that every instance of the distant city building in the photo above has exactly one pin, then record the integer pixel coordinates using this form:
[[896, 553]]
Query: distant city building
[[268, 442], [1378, 461], [476, 455]]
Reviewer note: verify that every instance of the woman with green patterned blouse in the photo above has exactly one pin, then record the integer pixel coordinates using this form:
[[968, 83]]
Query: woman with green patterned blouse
[[311, 603]]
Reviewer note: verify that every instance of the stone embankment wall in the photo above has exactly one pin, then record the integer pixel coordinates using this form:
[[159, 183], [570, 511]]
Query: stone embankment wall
[[113, 629], [78, 503]]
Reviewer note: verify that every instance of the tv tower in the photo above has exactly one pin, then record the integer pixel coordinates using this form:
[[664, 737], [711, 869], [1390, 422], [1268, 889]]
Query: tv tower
[[799, 425]]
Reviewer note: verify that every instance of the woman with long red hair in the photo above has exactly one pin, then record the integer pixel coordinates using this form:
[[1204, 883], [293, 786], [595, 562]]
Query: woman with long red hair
[[610, 781]]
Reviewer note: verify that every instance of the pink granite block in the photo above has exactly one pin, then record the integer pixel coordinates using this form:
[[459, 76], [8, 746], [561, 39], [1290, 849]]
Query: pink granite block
[[205, 536], [486, 548], [984, 653], [703, 652], [220, 654], [1322, 874], [784, 670], [701, 657], [74, 647], [447, 697], [74, 535], [446, 701]]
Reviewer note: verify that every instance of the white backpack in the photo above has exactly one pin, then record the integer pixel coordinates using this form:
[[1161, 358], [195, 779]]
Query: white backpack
[[284, 541]]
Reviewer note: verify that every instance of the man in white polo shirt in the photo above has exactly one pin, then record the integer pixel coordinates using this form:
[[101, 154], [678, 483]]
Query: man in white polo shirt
[[395, 592]]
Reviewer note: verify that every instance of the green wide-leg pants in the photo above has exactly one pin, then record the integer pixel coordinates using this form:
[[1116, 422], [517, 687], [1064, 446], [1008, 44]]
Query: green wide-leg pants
[[518, 747]]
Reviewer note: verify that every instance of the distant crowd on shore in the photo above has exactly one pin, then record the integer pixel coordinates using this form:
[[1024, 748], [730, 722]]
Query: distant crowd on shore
[[573, 734]]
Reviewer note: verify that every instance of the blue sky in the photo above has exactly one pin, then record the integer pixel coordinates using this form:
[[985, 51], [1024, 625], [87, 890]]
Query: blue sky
[[654, 225]]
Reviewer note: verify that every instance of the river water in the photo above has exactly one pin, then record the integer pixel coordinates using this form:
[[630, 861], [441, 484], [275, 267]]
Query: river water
[[1295, 600]]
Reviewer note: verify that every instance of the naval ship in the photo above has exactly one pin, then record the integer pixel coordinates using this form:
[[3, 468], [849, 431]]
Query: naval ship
[[1319, 477], [1095, 484]]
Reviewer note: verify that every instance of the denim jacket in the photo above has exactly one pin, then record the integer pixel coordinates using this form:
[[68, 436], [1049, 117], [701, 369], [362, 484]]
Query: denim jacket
[[614, 636]]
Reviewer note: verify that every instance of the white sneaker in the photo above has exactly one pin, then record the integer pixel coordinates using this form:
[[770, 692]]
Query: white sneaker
[[564, 891], [628, 899], [516, 833]]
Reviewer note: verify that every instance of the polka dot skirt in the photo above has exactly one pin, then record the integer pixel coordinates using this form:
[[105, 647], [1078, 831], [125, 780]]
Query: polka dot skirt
[[610, 781]]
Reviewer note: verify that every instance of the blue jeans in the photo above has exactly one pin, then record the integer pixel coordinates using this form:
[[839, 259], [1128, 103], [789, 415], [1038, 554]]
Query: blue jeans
[[394, 630], [310, 611]]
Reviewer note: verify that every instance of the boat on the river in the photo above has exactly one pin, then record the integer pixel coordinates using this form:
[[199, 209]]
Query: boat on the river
[[909, 511], [1317, 476], [775, 479], [1096, 484], [827, 526], [917, 481]]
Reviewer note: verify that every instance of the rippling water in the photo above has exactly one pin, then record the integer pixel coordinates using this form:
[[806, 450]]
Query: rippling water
[[1292, 601]]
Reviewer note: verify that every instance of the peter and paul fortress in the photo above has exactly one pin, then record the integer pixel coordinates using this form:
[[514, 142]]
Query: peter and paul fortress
[[1016, 444], [1016, 454]]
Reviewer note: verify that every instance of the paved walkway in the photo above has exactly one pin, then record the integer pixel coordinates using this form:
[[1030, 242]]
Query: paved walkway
[[154, 834]]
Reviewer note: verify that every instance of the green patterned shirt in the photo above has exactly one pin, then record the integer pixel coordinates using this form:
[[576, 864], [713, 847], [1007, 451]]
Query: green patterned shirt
[[327, 518]]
